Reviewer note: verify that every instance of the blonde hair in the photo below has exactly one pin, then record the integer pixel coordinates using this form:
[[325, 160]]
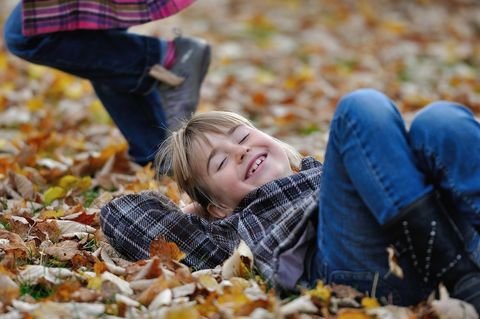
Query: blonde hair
[[175, 153]]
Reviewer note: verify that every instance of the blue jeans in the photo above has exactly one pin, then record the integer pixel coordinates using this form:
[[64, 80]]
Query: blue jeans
[[373, 168], [116, 63]]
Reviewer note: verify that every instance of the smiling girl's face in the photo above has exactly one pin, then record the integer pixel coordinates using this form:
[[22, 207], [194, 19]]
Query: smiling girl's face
[[232, 164]]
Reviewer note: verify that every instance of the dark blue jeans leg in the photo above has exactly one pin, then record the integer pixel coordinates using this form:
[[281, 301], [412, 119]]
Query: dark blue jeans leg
[[369, 175], [140, 119], [117, 63], [445, 138]]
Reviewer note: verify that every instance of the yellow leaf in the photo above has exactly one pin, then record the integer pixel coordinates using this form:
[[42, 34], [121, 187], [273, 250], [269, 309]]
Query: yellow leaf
[[68, 182], [84, 184], [352, 314], [320, 291], [98, 113], [35, 104], [94, 282], [396, 27], [369, 303], [183, 312], [36, 71], [52, 214], [53, 193], [3, 61]]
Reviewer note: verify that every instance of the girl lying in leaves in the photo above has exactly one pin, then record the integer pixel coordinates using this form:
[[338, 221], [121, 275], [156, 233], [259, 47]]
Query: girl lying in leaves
[[380, 186]]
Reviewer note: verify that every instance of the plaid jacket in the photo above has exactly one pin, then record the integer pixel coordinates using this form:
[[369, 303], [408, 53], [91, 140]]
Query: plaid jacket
[[276, 221], [45, 16]]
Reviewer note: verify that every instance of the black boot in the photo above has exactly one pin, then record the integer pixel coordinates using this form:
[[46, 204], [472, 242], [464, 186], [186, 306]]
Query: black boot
[[436, 248]]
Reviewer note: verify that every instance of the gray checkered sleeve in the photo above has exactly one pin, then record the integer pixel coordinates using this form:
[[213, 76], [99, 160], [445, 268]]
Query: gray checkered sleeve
[[132, 221]]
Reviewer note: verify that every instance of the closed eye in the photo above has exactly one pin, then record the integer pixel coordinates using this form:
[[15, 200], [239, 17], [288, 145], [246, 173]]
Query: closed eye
[[244, 138], [221, 164]]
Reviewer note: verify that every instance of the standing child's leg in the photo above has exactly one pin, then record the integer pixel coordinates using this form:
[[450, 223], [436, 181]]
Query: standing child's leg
[[118, 64], [370, 177], [139, 118]]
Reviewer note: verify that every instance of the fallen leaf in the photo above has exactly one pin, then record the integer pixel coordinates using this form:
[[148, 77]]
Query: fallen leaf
[[239, 264], [166, 251], [392, 312], [451, 308], [64, 250], [393, 263], [33, 273], [12, 243], [9, 290], [302, 304], [353, 314], [23, 185], [122, 285], [53, 193]]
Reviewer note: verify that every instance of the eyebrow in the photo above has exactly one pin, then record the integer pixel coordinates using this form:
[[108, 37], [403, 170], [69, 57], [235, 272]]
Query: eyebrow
[[214, 152]]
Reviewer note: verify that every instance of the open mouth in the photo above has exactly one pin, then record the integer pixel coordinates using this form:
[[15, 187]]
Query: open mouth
[[255, 165]]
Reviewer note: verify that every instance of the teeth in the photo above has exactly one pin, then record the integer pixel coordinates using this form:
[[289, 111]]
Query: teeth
[[256, 165]]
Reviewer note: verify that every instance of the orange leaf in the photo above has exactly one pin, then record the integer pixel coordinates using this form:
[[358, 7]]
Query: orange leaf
[[353, 314], [99, 267], [165, 250]]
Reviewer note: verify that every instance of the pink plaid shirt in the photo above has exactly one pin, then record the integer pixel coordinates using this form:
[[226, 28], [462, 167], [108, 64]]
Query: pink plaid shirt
[[46, 16]]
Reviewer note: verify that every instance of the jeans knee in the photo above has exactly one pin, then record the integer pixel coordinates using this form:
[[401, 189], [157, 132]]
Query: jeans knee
[[12, 29], [367, 105], [439, 119]]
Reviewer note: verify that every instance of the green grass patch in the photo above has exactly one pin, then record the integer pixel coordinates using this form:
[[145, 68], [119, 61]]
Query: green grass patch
[[36, 291]]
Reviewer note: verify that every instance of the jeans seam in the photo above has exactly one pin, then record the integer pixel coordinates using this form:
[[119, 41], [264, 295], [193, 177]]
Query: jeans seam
[[442, 168], [378, 177]]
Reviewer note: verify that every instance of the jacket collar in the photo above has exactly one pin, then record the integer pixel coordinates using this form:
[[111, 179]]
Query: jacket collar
[[287, 188]]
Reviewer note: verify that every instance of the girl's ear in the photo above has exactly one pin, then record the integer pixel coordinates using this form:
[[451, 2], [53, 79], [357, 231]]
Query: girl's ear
[[217, 211]]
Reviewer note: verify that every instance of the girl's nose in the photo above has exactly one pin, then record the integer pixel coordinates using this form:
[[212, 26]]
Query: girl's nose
[[242, 152]]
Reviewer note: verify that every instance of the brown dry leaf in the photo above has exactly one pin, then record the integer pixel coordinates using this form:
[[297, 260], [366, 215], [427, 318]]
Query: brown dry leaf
[[70, 229], [23, 185], [9, 290], [64, 250], [166, 251], [18, 225], [47, 229], [144, 269], [153, 290], [11, 243]]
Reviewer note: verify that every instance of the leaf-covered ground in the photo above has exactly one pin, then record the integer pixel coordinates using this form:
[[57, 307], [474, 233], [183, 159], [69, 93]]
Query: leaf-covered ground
[[282, 63]]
